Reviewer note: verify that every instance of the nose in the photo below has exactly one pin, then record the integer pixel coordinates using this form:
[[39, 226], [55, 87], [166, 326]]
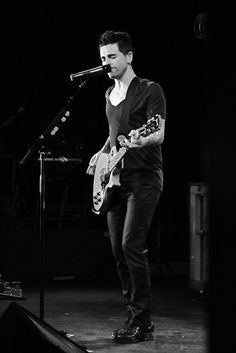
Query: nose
[[106, 61]]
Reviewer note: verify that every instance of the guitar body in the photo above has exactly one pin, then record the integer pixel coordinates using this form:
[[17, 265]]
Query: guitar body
[[104, 182]]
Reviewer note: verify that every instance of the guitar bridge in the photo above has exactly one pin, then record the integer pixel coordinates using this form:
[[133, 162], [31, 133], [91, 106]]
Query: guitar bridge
[[105, 179]]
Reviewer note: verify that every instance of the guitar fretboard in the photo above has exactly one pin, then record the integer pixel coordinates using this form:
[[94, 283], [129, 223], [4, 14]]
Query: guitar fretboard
[[113, 162]]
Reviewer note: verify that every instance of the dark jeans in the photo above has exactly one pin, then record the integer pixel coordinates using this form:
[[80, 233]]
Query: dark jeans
[[128, 224]]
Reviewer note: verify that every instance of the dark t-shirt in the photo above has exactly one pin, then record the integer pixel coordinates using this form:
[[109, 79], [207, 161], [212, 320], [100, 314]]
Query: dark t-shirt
[[144, 99]]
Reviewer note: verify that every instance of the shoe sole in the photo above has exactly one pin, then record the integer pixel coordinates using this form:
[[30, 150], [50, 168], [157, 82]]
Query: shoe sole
[[132, 339]]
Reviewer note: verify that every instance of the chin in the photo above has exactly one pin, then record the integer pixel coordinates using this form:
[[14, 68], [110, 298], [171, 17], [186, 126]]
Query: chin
[[114, 75], [110, 76]]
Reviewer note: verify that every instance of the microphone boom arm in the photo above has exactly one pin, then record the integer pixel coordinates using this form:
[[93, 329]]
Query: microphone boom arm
[[53, 126], [99, 70]]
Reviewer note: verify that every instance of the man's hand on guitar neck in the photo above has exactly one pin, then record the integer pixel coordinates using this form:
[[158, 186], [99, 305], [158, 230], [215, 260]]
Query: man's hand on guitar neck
[[137, 141]]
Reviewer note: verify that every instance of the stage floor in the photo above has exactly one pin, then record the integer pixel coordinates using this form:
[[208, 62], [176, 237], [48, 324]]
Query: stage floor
[[88, 312]]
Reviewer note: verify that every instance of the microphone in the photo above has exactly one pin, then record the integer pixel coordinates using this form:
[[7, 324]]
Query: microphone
[[91, 72]]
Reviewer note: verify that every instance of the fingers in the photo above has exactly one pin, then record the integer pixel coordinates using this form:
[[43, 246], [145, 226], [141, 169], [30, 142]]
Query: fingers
[[90, 170], [132, 143], [134, 134], [124, 143], [92, 164], [135, 140], [93, 160]]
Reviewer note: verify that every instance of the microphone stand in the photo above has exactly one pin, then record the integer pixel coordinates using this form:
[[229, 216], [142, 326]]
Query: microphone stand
[[39, 145]]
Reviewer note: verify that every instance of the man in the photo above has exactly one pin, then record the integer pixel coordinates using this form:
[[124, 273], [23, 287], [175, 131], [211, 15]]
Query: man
[[130, 103]]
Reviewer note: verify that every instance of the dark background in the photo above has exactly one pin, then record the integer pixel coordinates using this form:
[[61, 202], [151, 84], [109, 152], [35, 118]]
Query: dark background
[[43, 43]]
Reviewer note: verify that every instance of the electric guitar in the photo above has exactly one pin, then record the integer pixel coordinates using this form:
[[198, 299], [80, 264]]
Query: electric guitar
[[107, 173]]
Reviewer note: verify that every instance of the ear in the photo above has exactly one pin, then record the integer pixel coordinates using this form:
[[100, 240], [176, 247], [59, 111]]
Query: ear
[[129, 57]]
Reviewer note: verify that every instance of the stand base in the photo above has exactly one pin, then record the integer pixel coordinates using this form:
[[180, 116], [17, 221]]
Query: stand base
[[6, 291], [10, 296]]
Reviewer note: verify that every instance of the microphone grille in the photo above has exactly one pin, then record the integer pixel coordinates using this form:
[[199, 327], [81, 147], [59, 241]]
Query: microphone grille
[[107, 68]]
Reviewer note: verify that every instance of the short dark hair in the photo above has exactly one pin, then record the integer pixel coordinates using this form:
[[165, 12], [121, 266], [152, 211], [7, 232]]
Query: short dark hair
[[123, 40]]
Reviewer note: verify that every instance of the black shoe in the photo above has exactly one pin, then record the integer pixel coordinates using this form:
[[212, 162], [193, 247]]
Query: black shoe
[[120, 330], [134, 334], [124, 326]]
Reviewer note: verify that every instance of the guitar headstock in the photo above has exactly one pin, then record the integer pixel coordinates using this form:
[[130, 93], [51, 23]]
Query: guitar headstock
[[151, 126]]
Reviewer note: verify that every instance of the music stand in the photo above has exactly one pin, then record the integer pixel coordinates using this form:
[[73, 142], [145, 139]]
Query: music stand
[[51, 130]]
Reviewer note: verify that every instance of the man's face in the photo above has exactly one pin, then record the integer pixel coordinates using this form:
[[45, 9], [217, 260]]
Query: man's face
[[110, 54]]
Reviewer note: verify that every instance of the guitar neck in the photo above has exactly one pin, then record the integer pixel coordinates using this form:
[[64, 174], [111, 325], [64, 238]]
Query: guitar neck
[[113, 162]]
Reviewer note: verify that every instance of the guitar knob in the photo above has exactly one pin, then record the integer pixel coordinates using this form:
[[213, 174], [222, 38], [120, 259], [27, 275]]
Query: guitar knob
[[98, 195]]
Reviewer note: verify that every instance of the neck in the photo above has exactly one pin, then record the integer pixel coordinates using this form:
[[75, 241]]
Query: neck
[[123, 82]]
